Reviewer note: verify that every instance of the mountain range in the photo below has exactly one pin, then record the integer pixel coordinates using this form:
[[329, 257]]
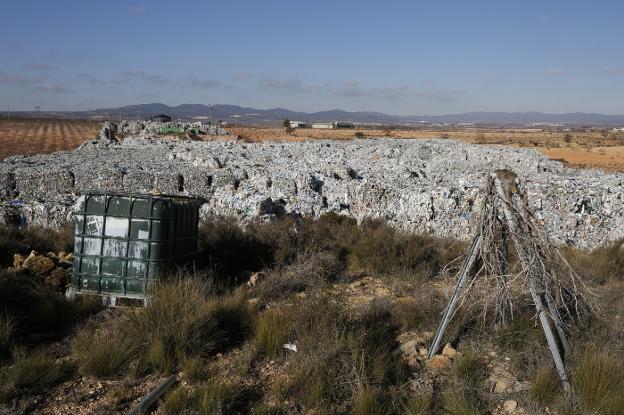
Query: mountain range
[[235, 113]]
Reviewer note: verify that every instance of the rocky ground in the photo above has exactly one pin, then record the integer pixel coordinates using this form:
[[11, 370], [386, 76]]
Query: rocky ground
[[430, 185]]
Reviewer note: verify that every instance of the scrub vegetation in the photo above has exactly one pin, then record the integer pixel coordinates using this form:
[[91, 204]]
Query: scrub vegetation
[[299, 316]]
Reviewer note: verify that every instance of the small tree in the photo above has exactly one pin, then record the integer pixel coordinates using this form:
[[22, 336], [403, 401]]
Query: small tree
[[567, 138], [286, 123]]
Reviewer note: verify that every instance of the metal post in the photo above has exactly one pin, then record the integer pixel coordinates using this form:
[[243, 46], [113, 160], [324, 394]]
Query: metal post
[[548, 332], [450, 308], [554, 315]]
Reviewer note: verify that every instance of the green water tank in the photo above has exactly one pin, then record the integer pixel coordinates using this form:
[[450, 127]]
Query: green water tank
[[124, 240]]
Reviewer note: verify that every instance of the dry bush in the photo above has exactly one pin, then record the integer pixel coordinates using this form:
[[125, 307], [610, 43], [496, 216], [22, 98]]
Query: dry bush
[[601, 265], [458, 402], [546, 386], [359, 350], [37, 309], [598, 379], [35, 372], [16, 240], [7, 330], [215, 397], [183, 320], [105, 351], [309, 270], [419, 312], [470, 369], [371, 400], [418, 404], [272, 330]]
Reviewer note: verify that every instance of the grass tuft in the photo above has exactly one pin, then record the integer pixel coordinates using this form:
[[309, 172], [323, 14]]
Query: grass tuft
[[7, 330], [460, 403], [103, 353], [470, 369], [598, 380], [272, 331], [546, 386]]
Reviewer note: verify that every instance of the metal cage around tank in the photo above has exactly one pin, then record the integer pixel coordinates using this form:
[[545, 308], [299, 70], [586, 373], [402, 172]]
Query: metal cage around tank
[[123, 241]]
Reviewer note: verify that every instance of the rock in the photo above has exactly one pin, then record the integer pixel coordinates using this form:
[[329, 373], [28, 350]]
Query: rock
[[510, 406], [255, 278], [522, 386], [422, 351], [409, 347], [59, 278], [65, 257], [503, 383], [438, 362], [450, 352], [39, 265], [18, 260]]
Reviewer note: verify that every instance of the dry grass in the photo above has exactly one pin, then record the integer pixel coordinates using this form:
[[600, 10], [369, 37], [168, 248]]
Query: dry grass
[[601, 265], [598, 379], [34, 372], [184, 322], [458, 402], [272, 331], [341, 357], [215, 397], [7, 330], [34, 136], [546, 386]]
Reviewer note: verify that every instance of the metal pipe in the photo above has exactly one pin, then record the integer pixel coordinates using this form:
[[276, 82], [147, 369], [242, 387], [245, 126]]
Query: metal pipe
[[465, 271]]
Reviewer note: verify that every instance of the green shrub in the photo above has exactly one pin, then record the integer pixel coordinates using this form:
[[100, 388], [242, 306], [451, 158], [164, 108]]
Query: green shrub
[[598, 379], [546, 386], [272, 331]]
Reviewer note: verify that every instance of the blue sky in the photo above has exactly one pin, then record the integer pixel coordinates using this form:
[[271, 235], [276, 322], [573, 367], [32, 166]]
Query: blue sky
[[398, 57]]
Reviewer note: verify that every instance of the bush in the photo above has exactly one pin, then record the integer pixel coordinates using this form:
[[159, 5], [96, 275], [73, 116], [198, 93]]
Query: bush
[[370, 401], [37, 371], [184, 320], [420, 312], [308, 271], [470, 369], [22, 240], [460, 403], [419, 404], [38, 309], [598, 379], [359, 134], [7, 328], [105, 352], [546, 386], [360, 350], [217, 397], [603, 264], [272, 332]]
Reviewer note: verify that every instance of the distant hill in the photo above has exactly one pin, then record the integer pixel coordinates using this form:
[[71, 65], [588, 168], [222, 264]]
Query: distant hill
[[235, 113]]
